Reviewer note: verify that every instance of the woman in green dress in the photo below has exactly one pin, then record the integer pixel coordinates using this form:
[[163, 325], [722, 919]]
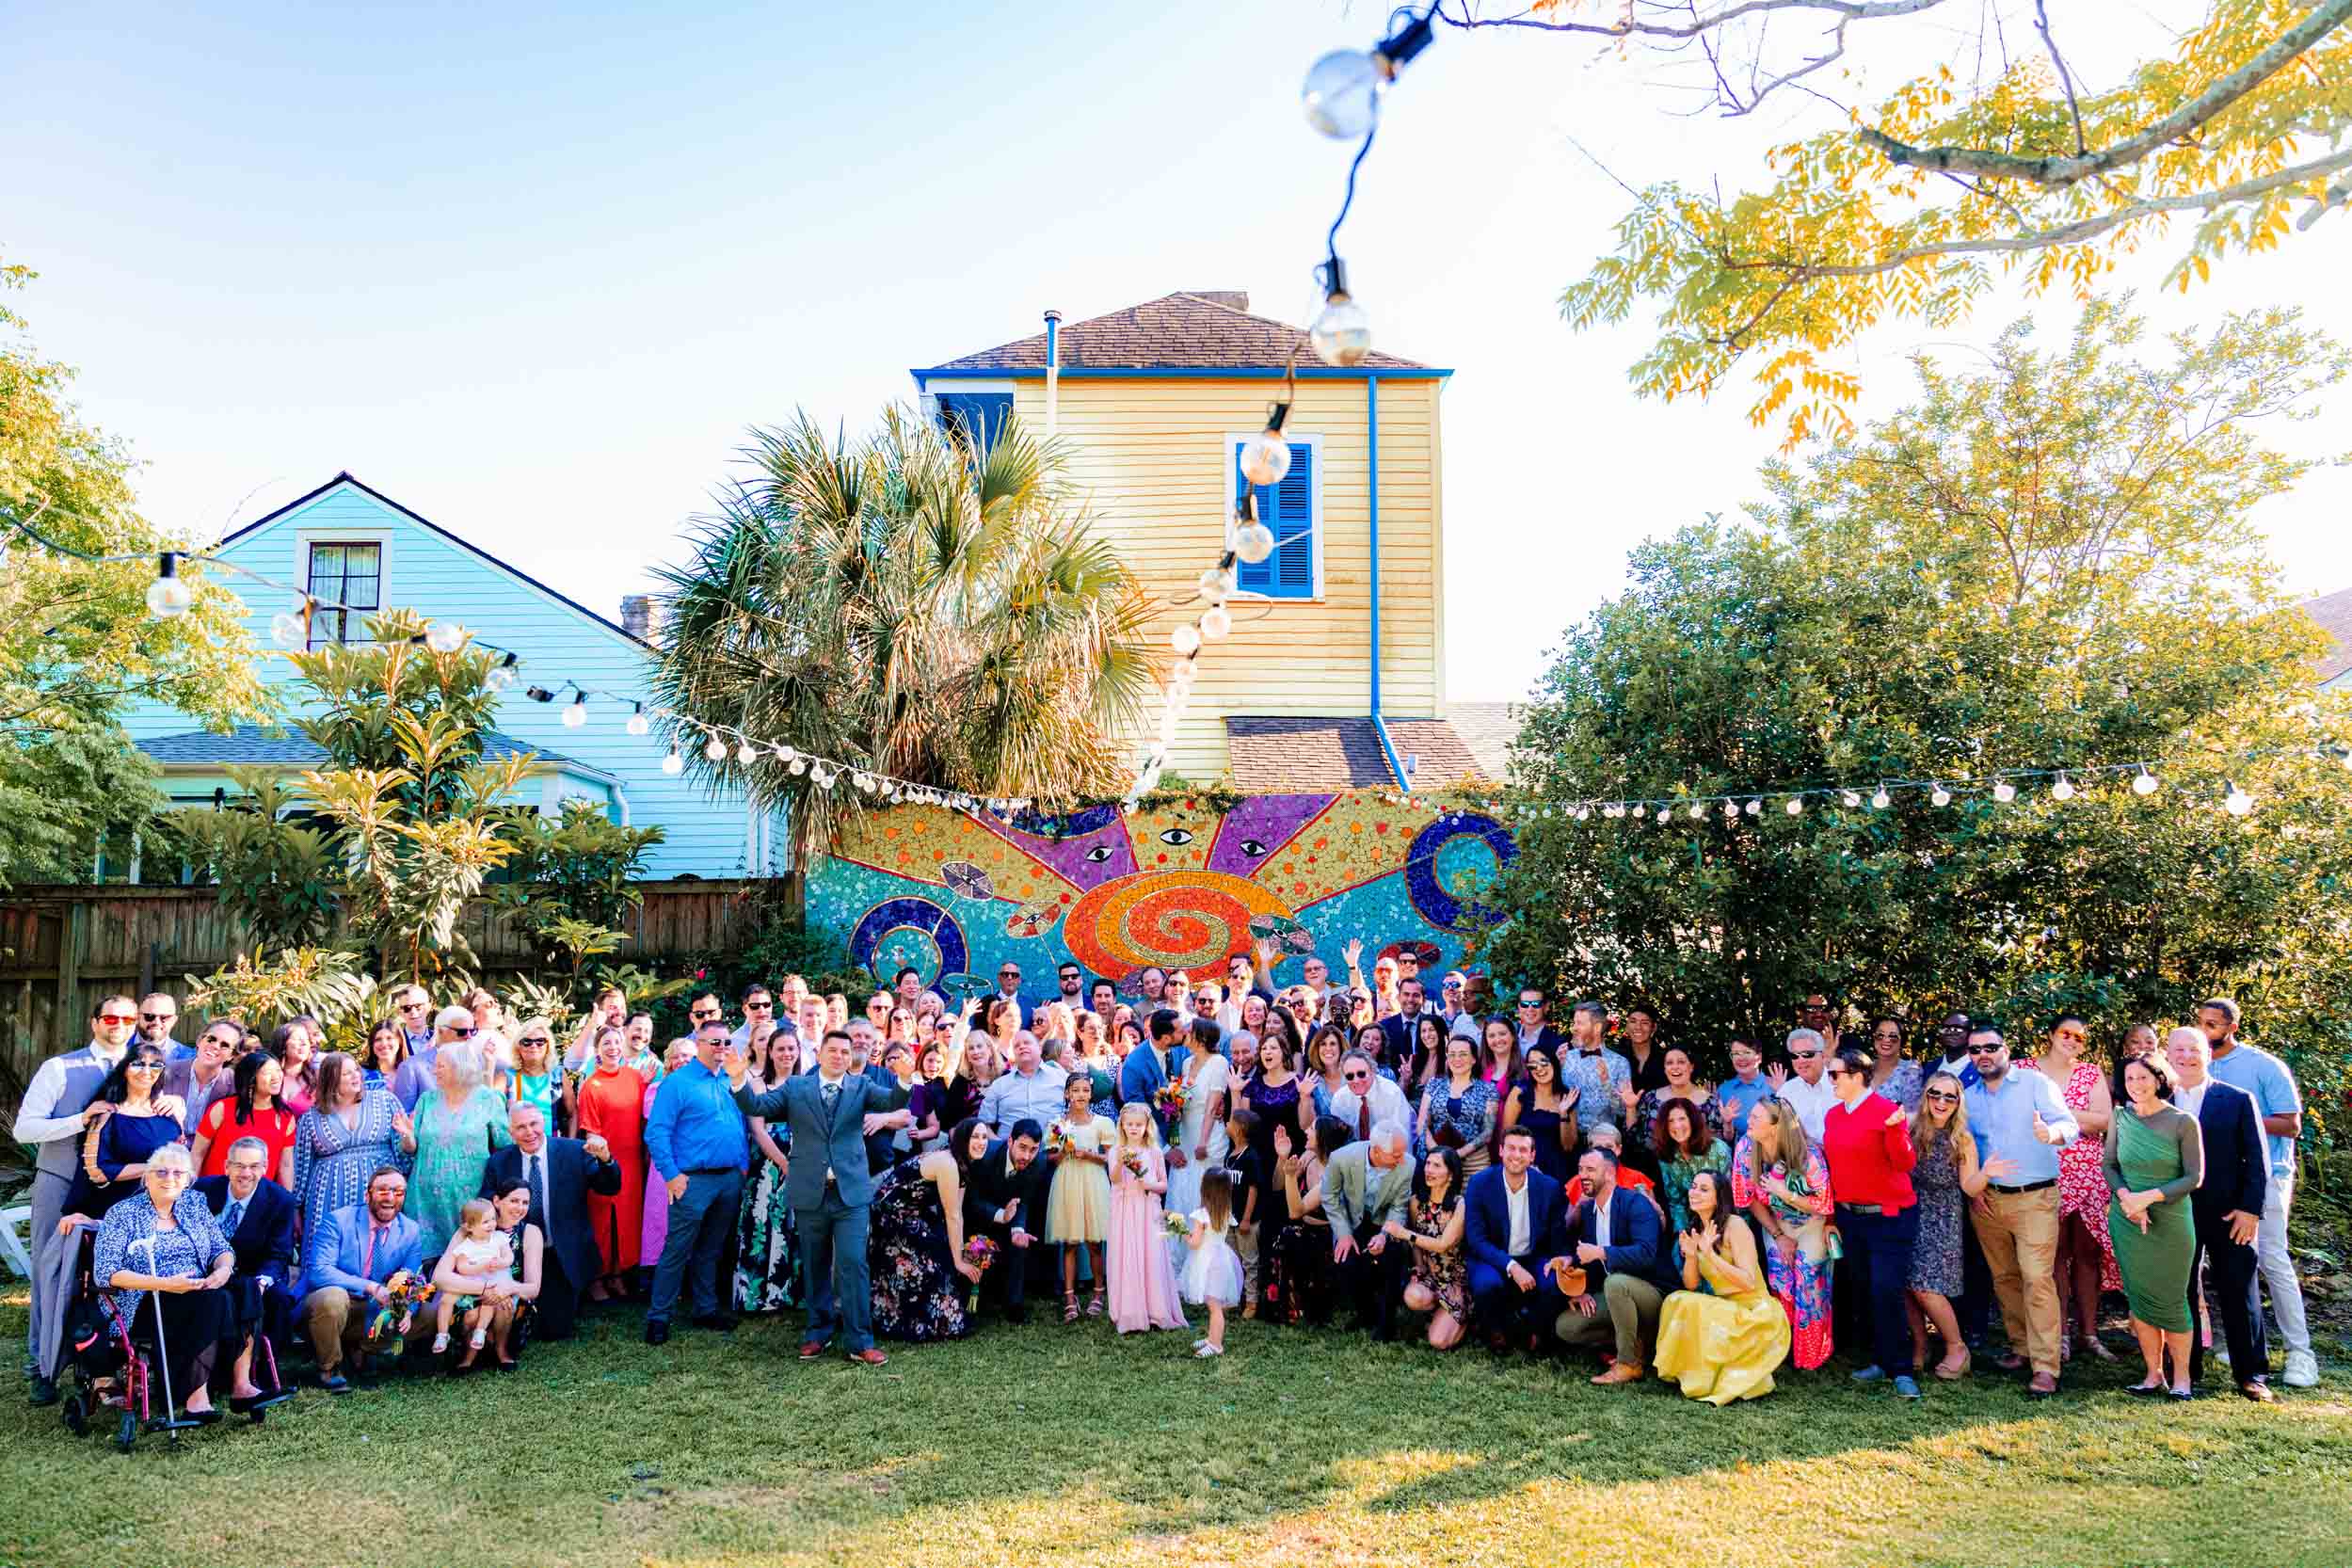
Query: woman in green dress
[[2155, 1158], [458, 1122]]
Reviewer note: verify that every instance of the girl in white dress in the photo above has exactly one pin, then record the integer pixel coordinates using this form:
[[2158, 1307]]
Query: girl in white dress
[[1212, 1275]]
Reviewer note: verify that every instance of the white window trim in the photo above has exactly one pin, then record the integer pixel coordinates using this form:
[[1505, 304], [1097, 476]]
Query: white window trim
[[1314, 444], [305, 537], [930, 393]]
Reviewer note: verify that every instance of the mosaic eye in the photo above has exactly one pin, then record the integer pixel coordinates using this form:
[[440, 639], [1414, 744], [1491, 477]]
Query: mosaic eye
[[1099, 854], [1175, 836], [1253, 848]]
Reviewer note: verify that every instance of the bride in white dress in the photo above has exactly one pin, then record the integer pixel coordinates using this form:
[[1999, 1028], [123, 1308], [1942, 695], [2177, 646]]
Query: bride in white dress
[[1201, 1133]]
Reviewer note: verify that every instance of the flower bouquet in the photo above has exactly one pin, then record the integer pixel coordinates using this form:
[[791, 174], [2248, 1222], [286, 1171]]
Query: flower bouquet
[[1178, 1227], [1168, 1100], [1058, 1141], [388, 1330], [980, 1252]]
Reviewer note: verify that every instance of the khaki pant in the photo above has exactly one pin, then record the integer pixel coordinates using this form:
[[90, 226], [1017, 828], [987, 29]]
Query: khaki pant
[[335, 1321], [1630, 1308], [2019, 1233]]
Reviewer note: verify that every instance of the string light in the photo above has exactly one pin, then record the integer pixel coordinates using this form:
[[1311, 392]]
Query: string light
[[1940, 796], [746, 754], [1796, 807], [500, 675], [1343, 89], [1217, 624], [2237, 802], [1881, 800], [1185, 639], [673, 764], [1849, 799], [576, 712], [2005, 791], [287, 628], [714, 749], [2145, 784], [444, 636], [168, 596], [638, 723], [2062, 790]]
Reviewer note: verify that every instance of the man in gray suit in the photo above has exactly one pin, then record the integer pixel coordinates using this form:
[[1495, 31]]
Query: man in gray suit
[[828, 1181], [1365, 1187]]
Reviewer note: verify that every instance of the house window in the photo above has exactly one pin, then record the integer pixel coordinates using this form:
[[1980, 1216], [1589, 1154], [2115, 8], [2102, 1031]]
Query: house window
[[1293, 510], [979, 417], [348, 574]]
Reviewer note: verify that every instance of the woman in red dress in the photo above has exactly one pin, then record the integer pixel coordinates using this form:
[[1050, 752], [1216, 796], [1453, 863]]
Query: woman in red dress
[[612, 1103]]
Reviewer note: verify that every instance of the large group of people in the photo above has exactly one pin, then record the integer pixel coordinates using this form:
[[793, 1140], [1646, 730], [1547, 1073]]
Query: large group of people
[[1169, 1157]]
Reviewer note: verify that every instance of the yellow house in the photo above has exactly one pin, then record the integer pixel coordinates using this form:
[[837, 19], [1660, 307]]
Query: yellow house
[[1334, 674]]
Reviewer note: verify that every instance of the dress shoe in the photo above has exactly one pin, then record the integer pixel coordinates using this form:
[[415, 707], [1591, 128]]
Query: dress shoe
[[1016, 1315], [811, 1349], [1625, 1371], [717, 1322], [334, 1382], [2259, 1392], [2042, 1386], [206, 1417], [45, 1391], [657, 1331], [1906, 1387], [868, 1357]]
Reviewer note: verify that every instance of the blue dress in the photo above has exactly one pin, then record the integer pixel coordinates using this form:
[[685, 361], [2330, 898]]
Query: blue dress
[[332, 1163], [123, 1141]]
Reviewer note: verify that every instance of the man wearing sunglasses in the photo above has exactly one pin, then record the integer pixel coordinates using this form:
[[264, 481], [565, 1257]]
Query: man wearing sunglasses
[[1807, 1092], [1534, 1028], [159, 1014], [2017, 1115], [1009, 990], [57, 1110], [207, 1076], [1369, 1100], [413, 1006]]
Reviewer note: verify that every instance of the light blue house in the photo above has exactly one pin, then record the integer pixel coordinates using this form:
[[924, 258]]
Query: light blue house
[[353, 545]]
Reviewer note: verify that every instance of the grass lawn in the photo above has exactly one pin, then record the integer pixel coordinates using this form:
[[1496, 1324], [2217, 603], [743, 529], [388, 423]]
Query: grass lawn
[[1054, 1445]]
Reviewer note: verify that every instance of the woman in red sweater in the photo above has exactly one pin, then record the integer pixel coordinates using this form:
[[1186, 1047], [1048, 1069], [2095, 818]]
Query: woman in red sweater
[[1866, 1141]]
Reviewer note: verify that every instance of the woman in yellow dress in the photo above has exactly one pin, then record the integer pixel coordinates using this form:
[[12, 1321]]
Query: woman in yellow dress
[[1722, 1335]]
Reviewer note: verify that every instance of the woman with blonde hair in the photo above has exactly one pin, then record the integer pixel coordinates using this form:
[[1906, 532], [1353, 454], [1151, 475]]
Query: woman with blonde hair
[[1946, 1176], [1781, 1179]]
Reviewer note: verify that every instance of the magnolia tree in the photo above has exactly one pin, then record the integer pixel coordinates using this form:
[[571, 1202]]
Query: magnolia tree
[[2043, 564]]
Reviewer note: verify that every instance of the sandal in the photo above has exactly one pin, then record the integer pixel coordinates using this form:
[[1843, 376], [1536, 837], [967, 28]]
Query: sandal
[[1094, 1305], [1953, 1368], [1069, 1306]]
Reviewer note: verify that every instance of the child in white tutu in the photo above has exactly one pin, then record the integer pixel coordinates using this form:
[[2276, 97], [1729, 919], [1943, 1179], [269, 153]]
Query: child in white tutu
[[1213, 1276]]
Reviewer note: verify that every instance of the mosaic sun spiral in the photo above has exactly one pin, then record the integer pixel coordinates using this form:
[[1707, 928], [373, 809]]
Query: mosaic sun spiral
[[1177, 920]]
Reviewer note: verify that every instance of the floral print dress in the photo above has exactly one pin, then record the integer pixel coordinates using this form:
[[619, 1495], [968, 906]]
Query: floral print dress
[[1802, 1284], [918, 1295], [2082, 1182]]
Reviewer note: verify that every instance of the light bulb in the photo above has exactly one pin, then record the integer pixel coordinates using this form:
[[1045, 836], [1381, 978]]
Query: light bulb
[[1849, 799], [1265, 459], [638, 723], [1215, 584], [785, 754], [2005, 791], [1253, 541], [285, 629], [1697, 811], [1796, 807], [502, 675], [1342, 335], [746, 754], [1181, 677], [1185, 640], [1942, 796], [168, 597], [576, 713], [2237, 802], [1341, 93], [825, 781], [1217, 624], [2145, 784], [1731, 810], [445, 637], [1640, 812], [1879, 801], [1754, 808], [2063, 789], [673, 764], [714, 750], [800, 765]]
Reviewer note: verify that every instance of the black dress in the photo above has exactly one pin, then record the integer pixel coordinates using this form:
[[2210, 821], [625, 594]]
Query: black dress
[[918, 1295]]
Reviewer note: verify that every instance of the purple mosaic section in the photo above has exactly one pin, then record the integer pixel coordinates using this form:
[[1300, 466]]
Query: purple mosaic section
[[1075, 857], [1267, 821]]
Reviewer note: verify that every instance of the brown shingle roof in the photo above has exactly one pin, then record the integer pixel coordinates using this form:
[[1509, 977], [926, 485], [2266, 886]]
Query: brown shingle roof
[[1280, 755], [2334, 614], [1488, 728], [1205, 329]]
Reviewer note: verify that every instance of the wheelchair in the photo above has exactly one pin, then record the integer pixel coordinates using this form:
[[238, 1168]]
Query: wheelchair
[[116, 1364]]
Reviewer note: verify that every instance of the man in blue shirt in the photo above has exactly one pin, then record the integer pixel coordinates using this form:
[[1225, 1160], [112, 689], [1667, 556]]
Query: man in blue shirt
[[2279, 1106], [699, 1145], [1596, 1073], [1743, 1091], [2017, 1115], [347, 1265]]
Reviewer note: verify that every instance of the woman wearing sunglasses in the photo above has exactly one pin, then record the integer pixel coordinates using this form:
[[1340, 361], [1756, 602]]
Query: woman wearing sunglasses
[[115, 1151], [1946, 1176]]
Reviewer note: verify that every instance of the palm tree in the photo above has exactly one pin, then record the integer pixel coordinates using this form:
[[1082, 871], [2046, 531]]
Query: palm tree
[[909, 604]]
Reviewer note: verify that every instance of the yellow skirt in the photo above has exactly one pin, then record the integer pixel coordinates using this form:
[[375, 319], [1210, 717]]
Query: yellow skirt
[[1721, 1348]]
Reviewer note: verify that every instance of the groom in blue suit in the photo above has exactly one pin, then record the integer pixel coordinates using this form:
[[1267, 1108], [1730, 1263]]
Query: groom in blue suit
[[1514, 1228], [829, 1185]]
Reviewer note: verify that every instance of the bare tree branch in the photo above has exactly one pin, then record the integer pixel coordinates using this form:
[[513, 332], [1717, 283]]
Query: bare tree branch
[[2066, 78], [2183, 123], [1627, 26]]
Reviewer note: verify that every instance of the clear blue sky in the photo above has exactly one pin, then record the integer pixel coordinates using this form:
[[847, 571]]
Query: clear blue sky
[[531, 269]]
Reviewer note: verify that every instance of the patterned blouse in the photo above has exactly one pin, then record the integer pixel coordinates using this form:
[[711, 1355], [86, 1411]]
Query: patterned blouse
[[1471, 1115], [189, 1249]]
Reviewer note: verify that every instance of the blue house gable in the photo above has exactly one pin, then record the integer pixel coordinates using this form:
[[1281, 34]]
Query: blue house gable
[[347, 543]]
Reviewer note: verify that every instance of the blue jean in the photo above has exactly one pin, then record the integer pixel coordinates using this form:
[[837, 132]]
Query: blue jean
[[1878, 1255], [833, 1274], [701, 1220]]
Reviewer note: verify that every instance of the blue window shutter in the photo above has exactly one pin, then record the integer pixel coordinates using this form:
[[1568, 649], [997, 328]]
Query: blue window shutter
[[1255, 577], [981, 416], [1294, 499]]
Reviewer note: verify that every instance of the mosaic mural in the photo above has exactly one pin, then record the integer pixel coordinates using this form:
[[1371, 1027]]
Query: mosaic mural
[[1181, 885]]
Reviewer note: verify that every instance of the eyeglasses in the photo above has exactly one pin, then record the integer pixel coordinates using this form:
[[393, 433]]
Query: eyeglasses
[[1356, 1077], [168, 1175], [143, 1067], [1985, 1051], [1802, 1055], [116, 1018], [701, 1017], [756, 1007], [465, 1033], [534, 1040], [157, 1017], [1008, 974], [1942, 1097], [1527, 1005]]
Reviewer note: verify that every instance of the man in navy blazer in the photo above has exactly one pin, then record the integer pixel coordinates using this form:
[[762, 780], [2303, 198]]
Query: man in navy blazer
[[2228, 1209], [269, 1266], [1004, 1199], [1512, 1218], [560, 1174], [1616, 1238], [1153, 1065], [830, 1186]]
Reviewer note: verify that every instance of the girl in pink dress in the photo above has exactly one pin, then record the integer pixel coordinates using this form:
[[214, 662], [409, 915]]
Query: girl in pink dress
[[1142, 1277]]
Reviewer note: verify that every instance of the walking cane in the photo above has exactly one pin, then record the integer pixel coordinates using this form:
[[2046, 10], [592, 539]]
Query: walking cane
[[172, 1424]]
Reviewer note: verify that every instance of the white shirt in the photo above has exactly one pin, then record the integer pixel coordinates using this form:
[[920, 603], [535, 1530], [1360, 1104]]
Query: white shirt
[[1515, 1199], [1600, 1218], [1388, 1103], [35, 1120], [1811, 1102], [2191, 1099]]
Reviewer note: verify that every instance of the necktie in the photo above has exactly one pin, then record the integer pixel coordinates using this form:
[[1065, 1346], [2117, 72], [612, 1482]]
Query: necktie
[[538, 1190], [832, 1092], [367, 1258], [1364, 1115], [232, 1217]]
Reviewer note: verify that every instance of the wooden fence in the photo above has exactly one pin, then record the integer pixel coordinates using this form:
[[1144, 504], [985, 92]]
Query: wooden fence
[[63, 949]]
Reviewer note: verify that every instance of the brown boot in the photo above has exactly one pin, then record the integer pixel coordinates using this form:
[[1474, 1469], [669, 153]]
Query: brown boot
[[1625, 1371]]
